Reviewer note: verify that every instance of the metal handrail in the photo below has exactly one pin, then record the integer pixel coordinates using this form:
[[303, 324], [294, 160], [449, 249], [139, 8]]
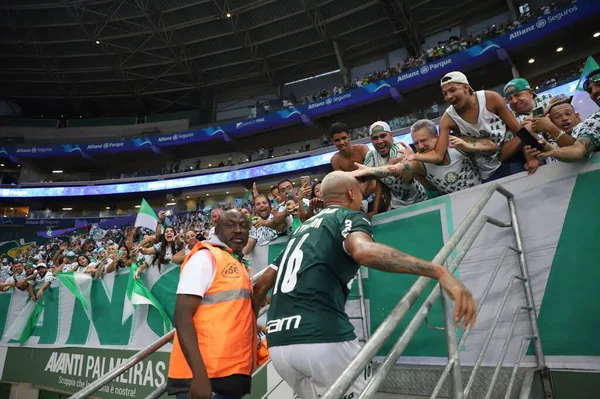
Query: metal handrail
[[453, 367], [391, 322], [484, 295], [419, 318], [117, 371]]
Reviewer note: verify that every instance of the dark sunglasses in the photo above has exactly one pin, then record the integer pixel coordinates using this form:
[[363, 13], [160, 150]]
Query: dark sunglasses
[[594, 79]]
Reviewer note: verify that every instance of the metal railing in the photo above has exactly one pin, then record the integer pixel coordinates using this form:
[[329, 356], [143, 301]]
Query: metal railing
[[388, 326], [453, 367]]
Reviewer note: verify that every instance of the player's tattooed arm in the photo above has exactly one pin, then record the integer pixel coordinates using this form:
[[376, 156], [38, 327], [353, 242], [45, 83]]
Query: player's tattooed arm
[[378, 172], [397, 170], [368, 253]]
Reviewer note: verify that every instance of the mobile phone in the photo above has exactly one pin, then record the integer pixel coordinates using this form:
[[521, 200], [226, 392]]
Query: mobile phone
[[538, 112], [305, 181], [528, 139], [168, 213], [289, 194]]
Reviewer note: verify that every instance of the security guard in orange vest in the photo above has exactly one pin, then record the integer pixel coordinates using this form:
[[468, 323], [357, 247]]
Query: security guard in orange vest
[[214, 351]]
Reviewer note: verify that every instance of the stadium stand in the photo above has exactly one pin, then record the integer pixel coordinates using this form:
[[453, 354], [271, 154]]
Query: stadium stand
[[100, 213]]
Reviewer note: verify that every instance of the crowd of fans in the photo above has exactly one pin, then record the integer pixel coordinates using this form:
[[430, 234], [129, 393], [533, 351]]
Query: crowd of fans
[[395, 174], [443, 48], [97, 252], [453, 44]]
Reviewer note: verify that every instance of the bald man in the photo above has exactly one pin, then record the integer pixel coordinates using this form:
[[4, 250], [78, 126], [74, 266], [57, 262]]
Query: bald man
[[214, 218], [311, 340]]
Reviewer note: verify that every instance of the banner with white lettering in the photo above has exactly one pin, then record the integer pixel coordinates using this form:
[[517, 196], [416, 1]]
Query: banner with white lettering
[[65, 322], [71, 369]]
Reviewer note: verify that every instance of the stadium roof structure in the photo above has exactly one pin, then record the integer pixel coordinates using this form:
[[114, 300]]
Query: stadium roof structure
[[145, 56]]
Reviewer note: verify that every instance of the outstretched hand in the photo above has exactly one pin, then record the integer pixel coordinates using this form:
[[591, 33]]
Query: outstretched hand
[[407, 149], [548, 150], [464, 305], [361, 170]]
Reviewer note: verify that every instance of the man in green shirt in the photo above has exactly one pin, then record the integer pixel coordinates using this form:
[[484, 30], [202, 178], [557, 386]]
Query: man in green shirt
[[311, 340]]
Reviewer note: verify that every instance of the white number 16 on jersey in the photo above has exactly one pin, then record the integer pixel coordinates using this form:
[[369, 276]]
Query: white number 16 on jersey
[[289, 267]]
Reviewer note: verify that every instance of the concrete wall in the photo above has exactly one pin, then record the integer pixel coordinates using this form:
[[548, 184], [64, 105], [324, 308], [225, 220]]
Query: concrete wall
[[362, 70], [235, 104], [496, 19], [432, 41], [308, 87], [24, 391], [77, 135], [397, 56]]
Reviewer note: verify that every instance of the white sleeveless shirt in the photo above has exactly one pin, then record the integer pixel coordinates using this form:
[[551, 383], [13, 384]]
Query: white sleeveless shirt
[[461, 173], [402, 194], [489, 125]]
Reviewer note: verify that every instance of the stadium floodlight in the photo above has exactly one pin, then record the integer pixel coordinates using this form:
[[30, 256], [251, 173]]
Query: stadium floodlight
[[531, 60], [597, 34], [171, 203], [57, 171], [67, 209], [558, 50]]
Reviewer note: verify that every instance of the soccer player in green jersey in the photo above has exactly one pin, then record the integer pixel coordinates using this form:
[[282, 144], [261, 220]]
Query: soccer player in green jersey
[[311, 339]]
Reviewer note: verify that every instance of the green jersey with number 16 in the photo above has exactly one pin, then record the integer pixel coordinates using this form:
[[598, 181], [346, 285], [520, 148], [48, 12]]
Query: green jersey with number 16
[[313, 276]]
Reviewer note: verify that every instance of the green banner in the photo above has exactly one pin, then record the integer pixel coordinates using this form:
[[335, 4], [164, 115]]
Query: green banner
[[71, 369]]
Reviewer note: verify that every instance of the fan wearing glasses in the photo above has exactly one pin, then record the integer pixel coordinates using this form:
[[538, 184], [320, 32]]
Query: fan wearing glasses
[[586, 134]]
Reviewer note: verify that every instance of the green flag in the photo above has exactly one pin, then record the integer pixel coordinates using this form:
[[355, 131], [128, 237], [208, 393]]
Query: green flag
[[146, 216], [138, 294], [20, 330], [80, 285], [581, 100]]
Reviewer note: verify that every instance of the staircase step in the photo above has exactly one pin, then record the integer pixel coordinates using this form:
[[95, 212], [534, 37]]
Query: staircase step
[[418, 381], [398, 396]]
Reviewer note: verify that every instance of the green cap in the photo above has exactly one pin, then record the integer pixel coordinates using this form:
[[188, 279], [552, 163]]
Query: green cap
[[515, 85]]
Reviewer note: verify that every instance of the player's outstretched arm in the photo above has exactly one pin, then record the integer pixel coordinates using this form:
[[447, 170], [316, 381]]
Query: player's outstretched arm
[[368, 253], [376, 172]]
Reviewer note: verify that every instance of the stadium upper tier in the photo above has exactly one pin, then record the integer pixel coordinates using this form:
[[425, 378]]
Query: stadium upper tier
[[393, 87], [228, 174]]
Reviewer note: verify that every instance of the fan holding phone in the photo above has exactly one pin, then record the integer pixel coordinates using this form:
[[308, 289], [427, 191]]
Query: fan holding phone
[[312, 193]]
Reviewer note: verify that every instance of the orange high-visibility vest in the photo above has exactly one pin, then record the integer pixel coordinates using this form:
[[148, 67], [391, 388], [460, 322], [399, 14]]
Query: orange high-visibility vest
[[262, 353], [225, 322]]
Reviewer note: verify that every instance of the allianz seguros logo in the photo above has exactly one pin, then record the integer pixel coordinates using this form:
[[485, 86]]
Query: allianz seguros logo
[[424, 69], [541, 23], [33, 150], [105, 145]]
